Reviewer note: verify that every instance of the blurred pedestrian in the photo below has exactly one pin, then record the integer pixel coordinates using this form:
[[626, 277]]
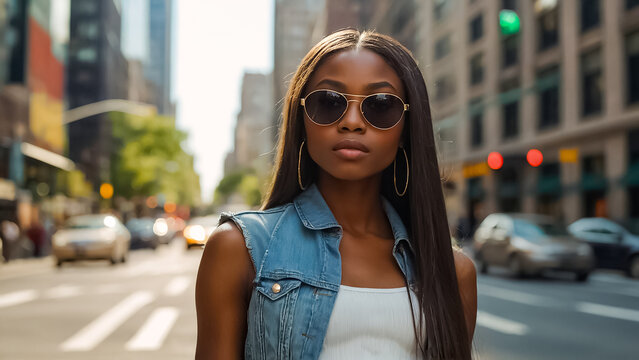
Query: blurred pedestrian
[[37, 235], [10, 237], [351, 253]]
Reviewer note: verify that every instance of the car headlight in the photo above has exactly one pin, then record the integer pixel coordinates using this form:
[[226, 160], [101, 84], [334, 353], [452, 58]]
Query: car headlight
[[59, 241], [195, 232], [584, 249]]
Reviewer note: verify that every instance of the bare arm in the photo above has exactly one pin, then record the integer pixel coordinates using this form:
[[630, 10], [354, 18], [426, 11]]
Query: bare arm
[[467, 280], [222, 294]]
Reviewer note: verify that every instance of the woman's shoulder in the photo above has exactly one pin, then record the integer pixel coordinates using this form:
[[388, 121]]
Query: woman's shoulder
[[464, 266]]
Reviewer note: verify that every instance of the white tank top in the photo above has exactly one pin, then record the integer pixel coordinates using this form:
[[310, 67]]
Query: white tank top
[[371, 323]]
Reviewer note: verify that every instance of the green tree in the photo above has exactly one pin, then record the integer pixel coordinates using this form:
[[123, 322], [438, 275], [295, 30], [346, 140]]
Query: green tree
[[148, 158]]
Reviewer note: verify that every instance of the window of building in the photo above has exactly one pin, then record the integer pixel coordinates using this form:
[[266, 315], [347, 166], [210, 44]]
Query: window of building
[[632, 67], [442, 47], [444, 87], [548, 92], [589, 14], [510, 50], [87, 29], [86, 54], [476, 69], [87, 7], [476, 28], [631, 3], [441, 9], [509, 5], [476, 123], [509, 98], [591, 83], [548, 24]]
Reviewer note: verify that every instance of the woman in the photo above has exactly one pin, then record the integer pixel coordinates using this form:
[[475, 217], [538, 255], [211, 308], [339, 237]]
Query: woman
[[350, 256]]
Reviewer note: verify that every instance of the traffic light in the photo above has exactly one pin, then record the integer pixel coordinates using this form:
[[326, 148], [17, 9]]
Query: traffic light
[[508, 22], [106, 191], [534, 157], [495, 160]]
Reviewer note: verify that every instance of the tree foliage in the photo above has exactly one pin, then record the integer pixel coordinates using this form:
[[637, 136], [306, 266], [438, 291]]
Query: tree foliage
[[148, 159]]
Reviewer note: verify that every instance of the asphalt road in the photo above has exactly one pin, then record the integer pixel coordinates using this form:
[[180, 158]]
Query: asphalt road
[[145, 310]]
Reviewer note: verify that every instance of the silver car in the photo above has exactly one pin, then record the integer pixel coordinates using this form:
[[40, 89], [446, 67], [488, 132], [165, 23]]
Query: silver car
[[528, 244], [91, 237]]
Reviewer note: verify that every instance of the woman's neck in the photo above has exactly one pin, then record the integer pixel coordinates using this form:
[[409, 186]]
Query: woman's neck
[[356, 205]]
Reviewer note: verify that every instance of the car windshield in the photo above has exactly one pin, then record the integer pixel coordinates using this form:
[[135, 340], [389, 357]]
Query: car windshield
[[90, 222], [633, 226], [139, 224], [533, 230]]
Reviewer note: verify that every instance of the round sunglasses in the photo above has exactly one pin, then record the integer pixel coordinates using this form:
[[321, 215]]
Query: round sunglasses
[[382, 111]]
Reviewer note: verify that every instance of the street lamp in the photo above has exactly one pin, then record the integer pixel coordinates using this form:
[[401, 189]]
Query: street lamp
[[125, 106]]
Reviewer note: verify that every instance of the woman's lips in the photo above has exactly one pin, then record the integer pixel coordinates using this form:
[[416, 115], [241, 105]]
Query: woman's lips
[[350, 149], [349, 154]]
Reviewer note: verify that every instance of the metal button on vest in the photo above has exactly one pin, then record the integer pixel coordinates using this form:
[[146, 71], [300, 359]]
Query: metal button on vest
[[276, 288]]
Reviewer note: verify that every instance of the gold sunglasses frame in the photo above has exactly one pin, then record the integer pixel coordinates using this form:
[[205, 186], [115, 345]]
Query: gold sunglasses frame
[[361, 111]]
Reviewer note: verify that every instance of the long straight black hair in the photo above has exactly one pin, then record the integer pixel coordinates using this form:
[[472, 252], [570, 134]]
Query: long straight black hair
[[422, 208]]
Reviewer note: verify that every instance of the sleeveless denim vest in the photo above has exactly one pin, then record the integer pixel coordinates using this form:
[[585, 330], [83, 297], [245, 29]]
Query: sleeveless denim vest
[[295, 251]]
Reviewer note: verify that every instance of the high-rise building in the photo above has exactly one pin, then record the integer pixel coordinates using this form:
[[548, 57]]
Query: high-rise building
[[253, 145], [97, 70], [561, 77], [294, 23], [158, 64]]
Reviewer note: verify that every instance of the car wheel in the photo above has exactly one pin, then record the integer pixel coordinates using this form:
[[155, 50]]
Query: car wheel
[[58, 263], [124, 258], [515, 266], [482, 265], [581, 276], [633, 269], [113, 260]]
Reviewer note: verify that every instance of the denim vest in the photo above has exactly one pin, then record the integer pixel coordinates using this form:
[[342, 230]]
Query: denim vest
[[295, 251]]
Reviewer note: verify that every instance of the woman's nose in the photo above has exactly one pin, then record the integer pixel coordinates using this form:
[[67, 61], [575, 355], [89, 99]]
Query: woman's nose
[[352, 120]]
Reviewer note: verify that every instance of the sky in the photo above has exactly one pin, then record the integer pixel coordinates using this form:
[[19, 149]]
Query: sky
[[216, 42]]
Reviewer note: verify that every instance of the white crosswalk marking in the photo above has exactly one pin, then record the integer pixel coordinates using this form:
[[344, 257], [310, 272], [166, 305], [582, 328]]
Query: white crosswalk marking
[[500, 324], [152, 334], [608, 311], [515, 296], [177, 286], [94, 333], [17, 297], [63, 291]]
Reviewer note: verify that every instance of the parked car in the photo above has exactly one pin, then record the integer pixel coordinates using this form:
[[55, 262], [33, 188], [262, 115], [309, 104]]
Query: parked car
[[529, 244], [615, 247], [199, 229], [91, 237], [142, 233]]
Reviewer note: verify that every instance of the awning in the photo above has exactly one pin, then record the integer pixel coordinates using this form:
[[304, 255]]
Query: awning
[[47, 156], [632, 176], [549, 185]]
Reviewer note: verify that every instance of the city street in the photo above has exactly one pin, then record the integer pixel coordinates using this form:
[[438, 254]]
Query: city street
[[91, 310], [145, 309]]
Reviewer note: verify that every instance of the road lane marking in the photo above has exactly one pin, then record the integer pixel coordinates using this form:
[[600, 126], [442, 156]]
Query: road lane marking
[[177, 286], [94, 333], [17, 297], [608, 311], [515, 296], [152, 334], [109, 289], [63, 291], [500, 324]]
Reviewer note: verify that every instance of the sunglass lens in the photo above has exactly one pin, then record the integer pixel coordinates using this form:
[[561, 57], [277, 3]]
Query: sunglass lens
[[383, 110], [325, 107]]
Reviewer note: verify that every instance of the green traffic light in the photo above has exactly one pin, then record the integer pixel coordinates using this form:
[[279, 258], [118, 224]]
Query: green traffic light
[[508, 22]]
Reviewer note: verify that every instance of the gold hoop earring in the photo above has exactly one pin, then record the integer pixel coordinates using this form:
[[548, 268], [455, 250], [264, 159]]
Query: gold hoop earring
[[299, 166], [407, 174]]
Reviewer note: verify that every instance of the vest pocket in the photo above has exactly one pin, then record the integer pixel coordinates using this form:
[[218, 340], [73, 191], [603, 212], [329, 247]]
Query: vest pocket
[[271, 318], [276, 289]]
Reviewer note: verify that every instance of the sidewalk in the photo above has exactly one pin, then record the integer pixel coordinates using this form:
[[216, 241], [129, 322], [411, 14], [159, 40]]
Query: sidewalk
[[25, 266]]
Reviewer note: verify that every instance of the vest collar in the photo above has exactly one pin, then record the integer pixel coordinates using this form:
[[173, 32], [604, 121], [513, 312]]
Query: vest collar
[[316, 215]]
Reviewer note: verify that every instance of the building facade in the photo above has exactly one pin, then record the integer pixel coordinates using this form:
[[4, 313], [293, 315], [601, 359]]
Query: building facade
[[561, 77], [158, 64], [97, 70]]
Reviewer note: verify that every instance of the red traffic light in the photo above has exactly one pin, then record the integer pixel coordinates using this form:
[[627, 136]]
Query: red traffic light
[[495, 160], [534, 157]]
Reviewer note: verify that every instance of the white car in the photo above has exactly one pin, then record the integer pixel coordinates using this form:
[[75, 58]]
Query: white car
[[91, 237]]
